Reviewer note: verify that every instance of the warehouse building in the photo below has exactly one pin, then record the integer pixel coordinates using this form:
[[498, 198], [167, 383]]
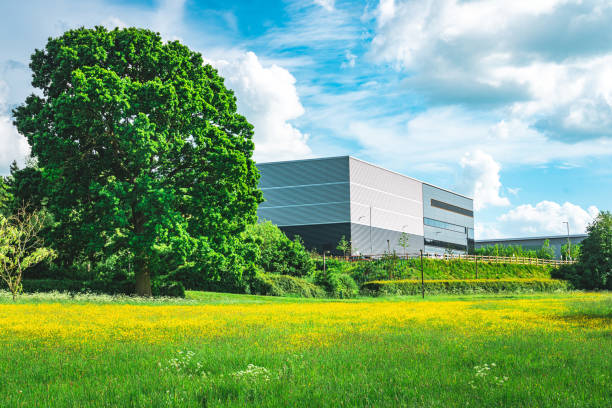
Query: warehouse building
[[535, 243], [322, 200]]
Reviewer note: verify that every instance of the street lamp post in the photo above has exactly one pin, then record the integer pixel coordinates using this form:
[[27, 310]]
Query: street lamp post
[[569, 243], [359, 219]]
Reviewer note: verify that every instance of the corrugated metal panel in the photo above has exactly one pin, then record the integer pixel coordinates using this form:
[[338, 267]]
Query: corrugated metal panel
[[306, 214], [304, 172], [305, 192], [360, 236], [396, 200], [320, 237], [385, 180], [388, 220], [323, 193], [388, 201]]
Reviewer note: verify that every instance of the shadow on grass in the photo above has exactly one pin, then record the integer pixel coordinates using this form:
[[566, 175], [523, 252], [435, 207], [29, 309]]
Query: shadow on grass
[[597, 312]]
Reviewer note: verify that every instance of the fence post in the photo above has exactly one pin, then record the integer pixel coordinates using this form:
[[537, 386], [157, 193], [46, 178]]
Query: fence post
[[422, 279]]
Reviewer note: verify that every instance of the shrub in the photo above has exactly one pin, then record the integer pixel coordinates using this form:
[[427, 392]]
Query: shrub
[[167, 288], [284, 285], [53, 285], [463, 286], [338, 285], [277, 253], [345, 286]]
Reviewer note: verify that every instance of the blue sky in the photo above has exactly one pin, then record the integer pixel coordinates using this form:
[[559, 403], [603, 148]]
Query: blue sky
[[508, 102]]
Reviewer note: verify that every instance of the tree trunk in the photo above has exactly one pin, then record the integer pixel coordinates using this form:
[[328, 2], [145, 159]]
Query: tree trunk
[[143, 281], [143, 276]]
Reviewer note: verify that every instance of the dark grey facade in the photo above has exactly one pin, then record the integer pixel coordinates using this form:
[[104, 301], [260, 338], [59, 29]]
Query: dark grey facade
[[556, 242], [322, 200]]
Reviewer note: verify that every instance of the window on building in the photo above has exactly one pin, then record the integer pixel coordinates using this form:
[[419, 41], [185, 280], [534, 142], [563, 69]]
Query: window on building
[[444, 244], [452, 208], [445, 225]]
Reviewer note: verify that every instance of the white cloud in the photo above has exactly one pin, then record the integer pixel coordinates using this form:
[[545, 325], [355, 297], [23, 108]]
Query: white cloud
[[13, 146], [440, 136], [481, 180], [483, 230], [513, 191], [350, 60], [546, 61], [268, 98], [545, 218], [326, 4]]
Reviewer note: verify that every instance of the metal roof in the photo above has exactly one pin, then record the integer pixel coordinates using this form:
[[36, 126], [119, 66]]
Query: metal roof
[[531, 238]]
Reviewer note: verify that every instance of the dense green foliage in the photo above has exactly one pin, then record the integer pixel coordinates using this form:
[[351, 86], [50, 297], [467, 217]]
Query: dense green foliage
[[277, 253], [5, 197], [594, 267], [284, 285], [463, 286], [337, 285], [391, 267], [544, 252], [140, 150]]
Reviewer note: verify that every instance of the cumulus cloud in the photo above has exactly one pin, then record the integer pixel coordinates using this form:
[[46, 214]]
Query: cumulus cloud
[[481, 180], [267, 96], [546, 217], [439, 137], [13, 146], [546, 62]]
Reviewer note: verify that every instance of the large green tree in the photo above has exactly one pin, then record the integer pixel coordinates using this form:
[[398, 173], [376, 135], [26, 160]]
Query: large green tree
[[140, 147], [595, 260]]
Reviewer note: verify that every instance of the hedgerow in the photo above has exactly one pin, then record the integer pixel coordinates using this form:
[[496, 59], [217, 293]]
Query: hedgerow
[[284, 285], [462, 286], [394, 268]]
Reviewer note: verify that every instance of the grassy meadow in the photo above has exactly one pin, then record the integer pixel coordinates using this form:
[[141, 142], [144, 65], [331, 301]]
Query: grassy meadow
[[545, 350]]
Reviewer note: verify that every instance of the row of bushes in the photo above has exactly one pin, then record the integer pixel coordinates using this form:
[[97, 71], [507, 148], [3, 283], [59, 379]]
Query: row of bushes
[[339, 286], [394, 268], [159, 287], [463, 286]]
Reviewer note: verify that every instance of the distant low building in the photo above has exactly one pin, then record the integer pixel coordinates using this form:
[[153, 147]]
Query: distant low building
[[322, 200], [556, 241]]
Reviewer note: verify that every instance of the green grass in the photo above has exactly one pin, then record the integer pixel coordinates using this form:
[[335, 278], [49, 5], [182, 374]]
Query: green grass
[[412, 366]]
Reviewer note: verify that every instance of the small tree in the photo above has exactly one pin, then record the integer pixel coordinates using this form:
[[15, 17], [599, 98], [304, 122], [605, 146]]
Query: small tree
[[595, 261], [344, 246], [570, 254], [20, 247], [404, 242], [546, 251]]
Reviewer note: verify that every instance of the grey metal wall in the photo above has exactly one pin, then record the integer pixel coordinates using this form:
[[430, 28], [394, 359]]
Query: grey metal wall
[[556, 242], [430, 211], [320, 237], [305, 192], [361, 241], [390, 202]]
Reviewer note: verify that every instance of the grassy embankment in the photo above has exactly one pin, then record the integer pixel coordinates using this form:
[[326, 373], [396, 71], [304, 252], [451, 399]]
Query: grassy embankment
[[434, 269], [514, 350]]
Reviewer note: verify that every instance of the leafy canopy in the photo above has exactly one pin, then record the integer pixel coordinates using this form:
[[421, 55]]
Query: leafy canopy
[[140, 148], [276, 253]]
